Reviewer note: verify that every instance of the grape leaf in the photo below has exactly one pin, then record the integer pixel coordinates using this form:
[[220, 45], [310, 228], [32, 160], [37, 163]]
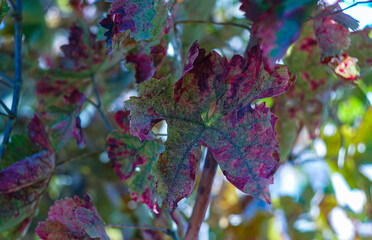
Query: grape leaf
[[4, 9], [138, 19], [18, 148], [213, 102], [332, 31], [142, 62], [276, 23], [23, 183], [361, 47], [305, 99], [308, 98], [66, 120], [128, 153], [147, 65], [82, 51], [72, 219], [133, 15]]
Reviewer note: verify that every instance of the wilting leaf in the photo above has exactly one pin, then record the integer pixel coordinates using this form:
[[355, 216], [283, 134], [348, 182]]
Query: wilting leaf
[[23, 183], [4, 9], [66, 120], [332, 32], [128, 153], [276, 23], [348, 68], [72, 219], [213, 102]]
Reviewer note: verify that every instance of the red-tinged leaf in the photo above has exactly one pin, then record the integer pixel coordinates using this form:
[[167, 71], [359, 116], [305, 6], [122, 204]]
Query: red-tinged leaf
[[306, 100], [213, 102], [66, 120], [276, 24], [133, 15], [122, 119], [83, 50], [128, 153], [76, 4], [23, 183], [143, 65], [332, 32], [73, 219], [158, 54]]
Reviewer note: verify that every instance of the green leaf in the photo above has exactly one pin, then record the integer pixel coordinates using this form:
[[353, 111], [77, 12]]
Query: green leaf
[[4, 9], [133, 160]]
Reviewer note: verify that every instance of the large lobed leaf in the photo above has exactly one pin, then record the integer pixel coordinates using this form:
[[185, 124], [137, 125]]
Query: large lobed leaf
[[72, 219], [128, 153], [212, 101], [23, 183], [276, 24]]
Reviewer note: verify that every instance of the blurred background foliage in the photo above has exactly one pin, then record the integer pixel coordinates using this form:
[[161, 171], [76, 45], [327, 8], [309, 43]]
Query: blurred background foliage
[[323, 187]]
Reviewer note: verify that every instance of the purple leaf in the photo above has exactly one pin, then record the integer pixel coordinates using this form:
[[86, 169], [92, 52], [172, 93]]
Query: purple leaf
[[23, 183], [276, 24], [143, 65], [72, 219]]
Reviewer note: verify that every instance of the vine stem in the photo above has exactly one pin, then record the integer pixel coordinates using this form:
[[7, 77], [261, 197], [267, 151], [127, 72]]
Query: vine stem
[[18, 73], [214, 23], [98, 105], [86, 154], [6, 77], [202, 197], [167, 231]]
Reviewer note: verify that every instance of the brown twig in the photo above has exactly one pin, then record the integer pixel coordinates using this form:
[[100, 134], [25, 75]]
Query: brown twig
[[202, 198], [86, 154]]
